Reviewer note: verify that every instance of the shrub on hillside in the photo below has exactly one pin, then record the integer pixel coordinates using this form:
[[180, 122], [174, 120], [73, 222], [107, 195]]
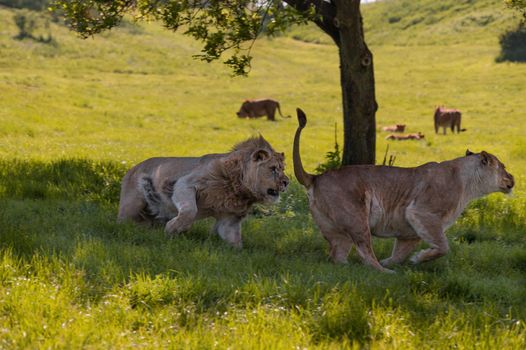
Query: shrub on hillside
[[32, 25], [513, 45], [37, 5]]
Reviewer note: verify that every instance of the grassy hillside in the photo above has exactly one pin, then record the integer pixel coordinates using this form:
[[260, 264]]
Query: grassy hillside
[[75, 114]]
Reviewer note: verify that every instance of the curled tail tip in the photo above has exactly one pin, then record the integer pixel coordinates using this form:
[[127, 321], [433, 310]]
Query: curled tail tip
[[302, 118]]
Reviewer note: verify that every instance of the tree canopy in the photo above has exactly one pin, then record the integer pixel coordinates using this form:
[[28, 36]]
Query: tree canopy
[[233, 25], [519, 5], [221, 25]]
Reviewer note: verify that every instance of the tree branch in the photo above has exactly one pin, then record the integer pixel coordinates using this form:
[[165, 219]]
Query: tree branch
[[326, 14]]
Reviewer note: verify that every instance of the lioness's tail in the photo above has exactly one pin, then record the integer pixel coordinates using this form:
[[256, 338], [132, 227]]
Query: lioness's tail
[[152, 197], [303, 177], [279, 110]]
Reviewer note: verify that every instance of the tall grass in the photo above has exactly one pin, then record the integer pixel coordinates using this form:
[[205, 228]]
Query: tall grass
[[75, 116]]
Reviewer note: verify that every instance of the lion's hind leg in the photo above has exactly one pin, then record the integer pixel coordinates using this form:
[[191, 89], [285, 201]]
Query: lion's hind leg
[[133, 209], [354, 222], [363, 242], [401, 250], [132, 206], [271, 114], [340, 247]]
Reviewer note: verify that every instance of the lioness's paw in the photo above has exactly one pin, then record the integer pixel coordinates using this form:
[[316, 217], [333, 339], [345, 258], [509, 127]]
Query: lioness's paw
[[386, 262], [414, 259]]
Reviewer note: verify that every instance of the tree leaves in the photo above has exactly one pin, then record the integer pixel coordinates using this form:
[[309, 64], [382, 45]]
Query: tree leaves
[[223, 26]]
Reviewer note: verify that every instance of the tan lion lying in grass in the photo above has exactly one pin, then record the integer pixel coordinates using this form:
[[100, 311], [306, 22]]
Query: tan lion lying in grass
[[178, 191], [410, 204]]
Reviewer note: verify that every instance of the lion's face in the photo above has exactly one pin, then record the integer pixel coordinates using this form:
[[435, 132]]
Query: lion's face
[[264, 175], [493, 173], [242, 113]]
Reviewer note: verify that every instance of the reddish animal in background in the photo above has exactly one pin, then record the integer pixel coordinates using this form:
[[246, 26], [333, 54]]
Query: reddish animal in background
[[417, 136], [394, 128], [447, 118], [260, 108]]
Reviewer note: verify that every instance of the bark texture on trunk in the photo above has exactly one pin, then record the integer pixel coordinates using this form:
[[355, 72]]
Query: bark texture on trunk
[[342, 21], [357, 82]]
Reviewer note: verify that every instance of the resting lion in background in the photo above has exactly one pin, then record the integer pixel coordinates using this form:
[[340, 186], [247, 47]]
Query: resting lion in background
[[410, 204], [177, 191], [413, 136], [394, 128], [260, 108]]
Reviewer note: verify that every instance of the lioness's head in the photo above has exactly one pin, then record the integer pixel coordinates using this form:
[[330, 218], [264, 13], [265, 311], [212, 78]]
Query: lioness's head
[[242, 113], [492, 173], [263, 168]]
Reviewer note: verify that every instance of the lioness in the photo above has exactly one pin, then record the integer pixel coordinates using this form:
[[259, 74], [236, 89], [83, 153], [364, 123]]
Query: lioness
[[178, 191], [394, 128], [414, 136], [447, 118], [410, 204], [260, 108]]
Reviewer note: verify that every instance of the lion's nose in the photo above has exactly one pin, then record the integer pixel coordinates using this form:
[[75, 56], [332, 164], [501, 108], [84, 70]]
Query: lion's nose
[[511, 182]]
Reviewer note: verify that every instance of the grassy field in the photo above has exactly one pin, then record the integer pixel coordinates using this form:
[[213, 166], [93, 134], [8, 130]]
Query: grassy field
[[74, 115]]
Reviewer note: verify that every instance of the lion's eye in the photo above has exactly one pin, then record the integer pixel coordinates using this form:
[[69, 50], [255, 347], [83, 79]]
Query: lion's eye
[[274, 170]]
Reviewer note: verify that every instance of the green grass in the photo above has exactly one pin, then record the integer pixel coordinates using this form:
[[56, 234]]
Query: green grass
[[75, 115]]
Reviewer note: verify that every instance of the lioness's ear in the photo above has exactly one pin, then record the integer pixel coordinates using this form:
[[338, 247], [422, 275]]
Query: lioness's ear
[[484, 158], [260, 155], [468, 152]]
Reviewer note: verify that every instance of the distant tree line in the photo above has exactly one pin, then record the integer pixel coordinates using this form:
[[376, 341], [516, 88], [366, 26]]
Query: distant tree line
[[30, 24], [36, 5], [513, 41]]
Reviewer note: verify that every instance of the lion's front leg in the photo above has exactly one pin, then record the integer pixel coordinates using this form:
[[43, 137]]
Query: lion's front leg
[[429, 229], [229, 229], [185, 202]]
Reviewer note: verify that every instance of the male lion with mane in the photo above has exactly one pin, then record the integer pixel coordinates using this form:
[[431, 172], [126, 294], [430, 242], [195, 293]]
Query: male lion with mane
[[177, 191], [410, 204]]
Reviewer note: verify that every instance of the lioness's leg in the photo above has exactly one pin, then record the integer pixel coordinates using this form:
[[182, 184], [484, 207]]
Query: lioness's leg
[[340, 247], [131, 207], [184, 201], [229, 229], [363, 242], [401, 250], [271, 114], [430, 230]]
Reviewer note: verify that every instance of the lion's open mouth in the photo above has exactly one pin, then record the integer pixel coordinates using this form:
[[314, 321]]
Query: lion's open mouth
[[273, 192]]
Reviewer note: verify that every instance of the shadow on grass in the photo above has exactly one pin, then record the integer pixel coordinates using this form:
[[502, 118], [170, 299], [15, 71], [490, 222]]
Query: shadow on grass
[[72, 179], [513, 45], [66, 211]]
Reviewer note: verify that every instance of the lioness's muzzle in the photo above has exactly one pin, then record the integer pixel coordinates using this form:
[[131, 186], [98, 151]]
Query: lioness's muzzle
[[511, 182]]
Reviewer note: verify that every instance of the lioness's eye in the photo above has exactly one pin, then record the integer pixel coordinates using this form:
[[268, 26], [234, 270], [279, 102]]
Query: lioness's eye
[[274, 169]]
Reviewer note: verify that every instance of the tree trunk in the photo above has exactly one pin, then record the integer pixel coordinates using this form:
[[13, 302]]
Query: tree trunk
[[357, 82], [342, 21]]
